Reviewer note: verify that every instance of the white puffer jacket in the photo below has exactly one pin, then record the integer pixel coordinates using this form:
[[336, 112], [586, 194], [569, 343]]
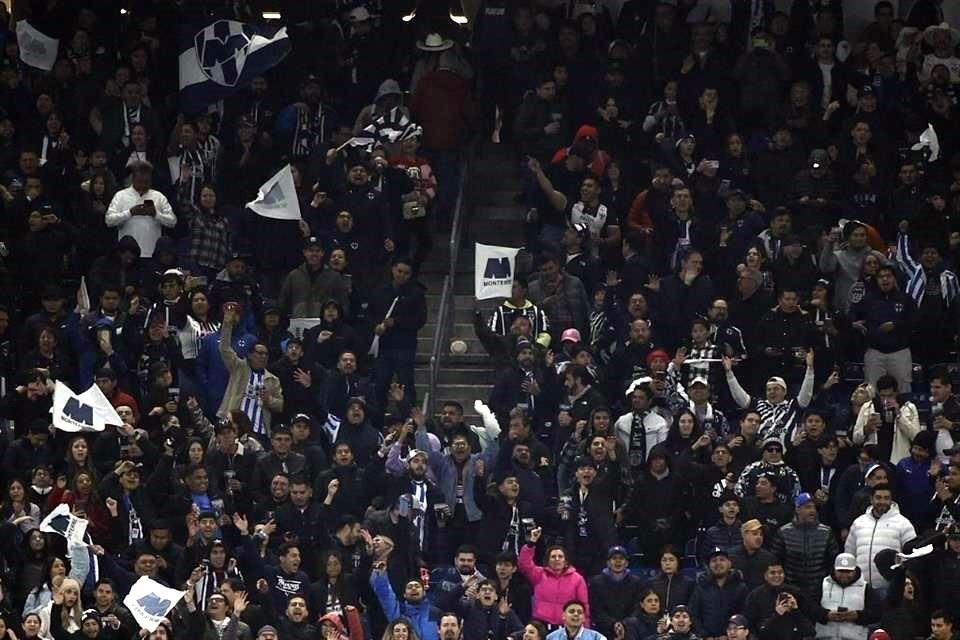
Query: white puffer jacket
[[869, 536]]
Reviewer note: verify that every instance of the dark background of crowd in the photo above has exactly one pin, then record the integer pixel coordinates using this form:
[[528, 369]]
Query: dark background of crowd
[[724, 393]]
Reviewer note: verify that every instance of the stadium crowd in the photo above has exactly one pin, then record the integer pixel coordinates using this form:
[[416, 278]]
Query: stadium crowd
[[723, 405]]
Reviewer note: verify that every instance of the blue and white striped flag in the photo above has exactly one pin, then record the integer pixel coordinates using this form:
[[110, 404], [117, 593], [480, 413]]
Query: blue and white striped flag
[[224, 55]]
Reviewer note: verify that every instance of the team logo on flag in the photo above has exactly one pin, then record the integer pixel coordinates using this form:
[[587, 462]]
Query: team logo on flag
[[149, 602], [494, 268], [222, 51], [224, 55], [62, 522]]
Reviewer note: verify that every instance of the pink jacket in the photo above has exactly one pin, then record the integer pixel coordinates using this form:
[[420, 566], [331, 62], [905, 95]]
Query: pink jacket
[[552, 590]]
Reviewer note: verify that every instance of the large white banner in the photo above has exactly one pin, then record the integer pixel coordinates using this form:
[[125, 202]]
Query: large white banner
[[494, 267], [149, 602], [61, 521], [36, 49], [277, 198], [89, 411]]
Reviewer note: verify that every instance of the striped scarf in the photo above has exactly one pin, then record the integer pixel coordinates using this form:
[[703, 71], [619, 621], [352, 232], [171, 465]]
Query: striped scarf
[[251, 404], [917, 276]]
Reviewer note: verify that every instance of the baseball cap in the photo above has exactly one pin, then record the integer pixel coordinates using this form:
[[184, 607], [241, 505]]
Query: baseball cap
[[717, 551], [680, 608], [417, 452], [819, 158], [570, 335], [312, 241], [845, 562], [617, 550], [699, 380], [174, 274], [738, 620], [751, 525], [802, 499]]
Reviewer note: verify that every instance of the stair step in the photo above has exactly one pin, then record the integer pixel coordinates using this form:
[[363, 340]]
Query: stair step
[[458, 375]]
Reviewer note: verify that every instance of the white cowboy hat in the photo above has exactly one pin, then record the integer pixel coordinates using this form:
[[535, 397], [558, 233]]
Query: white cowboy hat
[[943, 26], [434, 42]]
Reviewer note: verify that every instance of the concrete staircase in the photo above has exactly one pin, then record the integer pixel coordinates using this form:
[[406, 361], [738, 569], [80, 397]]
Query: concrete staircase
[[490, 216]]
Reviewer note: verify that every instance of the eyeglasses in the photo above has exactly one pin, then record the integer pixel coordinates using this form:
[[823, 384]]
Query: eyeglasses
[[772, 449]]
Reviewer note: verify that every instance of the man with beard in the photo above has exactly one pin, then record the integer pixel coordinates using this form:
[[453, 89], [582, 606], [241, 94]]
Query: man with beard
[[847, 602], [881, 527], [522, 386], [295, 624], [561, 296], [450, 585], [457, 473], [718, 594], [805, 547], [414, 607], [629, 357], [640, 430], [341, 385], [723, 333], [308, 122]]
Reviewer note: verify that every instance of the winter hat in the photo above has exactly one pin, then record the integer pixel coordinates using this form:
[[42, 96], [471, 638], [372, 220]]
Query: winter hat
[[91, 614], [657, 354]]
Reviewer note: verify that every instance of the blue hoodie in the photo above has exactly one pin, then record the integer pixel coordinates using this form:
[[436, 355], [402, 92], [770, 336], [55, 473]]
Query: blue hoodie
[[420, 615], [211, 373]]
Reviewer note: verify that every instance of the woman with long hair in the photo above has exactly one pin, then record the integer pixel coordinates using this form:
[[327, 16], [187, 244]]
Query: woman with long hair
[[32, 561], [648, 614], [334, 591], [65, 604], [31, 626], [17, 508], [210, 241], [533, 630], [56, 570], [400, 629], [84, 502], [78, 457], [671, 586], [686, 441], [554, 584]]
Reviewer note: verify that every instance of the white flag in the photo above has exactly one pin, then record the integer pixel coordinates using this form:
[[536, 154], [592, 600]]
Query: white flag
[[277, 198], [89, 411], [61, 521], [929, 140], [83, 297], [36, 49], [299, 326], [494, 268], [150, 602]]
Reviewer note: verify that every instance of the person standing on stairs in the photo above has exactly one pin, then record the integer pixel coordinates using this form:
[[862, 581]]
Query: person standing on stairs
[[399, 310]]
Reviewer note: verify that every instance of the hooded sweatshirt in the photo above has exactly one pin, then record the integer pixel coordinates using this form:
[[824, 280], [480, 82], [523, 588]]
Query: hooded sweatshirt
[[599, 159]]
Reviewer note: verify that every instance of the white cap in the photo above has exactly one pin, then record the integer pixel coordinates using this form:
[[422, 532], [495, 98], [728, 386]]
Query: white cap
[[845, 562]]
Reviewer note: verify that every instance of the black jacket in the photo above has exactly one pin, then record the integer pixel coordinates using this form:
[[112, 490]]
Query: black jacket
[[409, 314], [613, 600], [807, 553], [481, 623]]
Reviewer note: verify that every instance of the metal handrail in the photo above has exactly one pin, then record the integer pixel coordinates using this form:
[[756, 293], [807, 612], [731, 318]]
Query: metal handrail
[[445, 316]]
